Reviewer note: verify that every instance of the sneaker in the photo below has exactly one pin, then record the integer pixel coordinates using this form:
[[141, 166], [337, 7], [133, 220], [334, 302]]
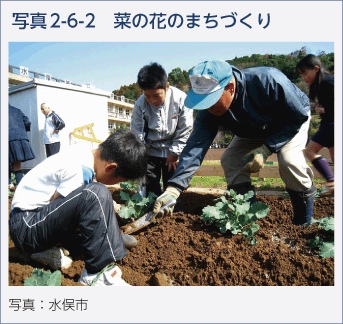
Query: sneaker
[[328, 191], [55, 258], [111, 277]]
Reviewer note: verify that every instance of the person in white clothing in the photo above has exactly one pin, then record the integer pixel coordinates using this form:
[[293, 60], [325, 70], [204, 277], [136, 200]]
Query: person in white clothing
[[58, 199], [53, 124], [163, 122]]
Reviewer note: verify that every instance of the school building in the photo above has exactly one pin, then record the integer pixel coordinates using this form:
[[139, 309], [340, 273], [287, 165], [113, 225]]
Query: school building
[[90, 114]]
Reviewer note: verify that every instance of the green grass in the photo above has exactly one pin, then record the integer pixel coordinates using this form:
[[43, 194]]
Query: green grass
[[268, 163], [218, 182], [210, 162]]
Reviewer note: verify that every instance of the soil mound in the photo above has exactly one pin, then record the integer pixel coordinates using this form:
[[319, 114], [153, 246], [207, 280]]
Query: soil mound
[[181, 250]]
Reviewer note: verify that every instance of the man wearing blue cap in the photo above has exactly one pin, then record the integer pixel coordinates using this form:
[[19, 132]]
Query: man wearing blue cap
[[267, 113]]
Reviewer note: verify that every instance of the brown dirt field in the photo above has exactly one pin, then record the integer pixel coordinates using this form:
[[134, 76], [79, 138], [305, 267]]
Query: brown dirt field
[[182, 250]]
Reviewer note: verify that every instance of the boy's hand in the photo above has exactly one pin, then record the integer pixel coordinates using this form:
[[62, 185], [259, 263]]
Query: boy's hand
[[320, 109], [256, 159], [170, 194], [116, 206], [172, 161], [55, 196]]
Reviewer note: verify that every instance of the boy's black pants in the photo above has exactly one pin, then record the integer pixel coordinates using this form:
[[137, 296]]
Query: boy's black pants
[[156, 166], [88, 209]]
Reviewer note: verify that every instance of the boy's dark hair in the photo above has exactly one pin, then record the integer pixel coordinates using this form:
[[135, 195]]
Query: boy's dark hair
[[152, 76], [124, 148], [308, 63]]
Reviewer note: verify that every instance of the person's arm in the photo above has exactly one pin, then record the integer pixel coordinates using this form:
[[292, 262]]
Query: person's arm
[[55, 196], [205, 130], [58, 122], [26, 121], [183, 130], [138, 121]]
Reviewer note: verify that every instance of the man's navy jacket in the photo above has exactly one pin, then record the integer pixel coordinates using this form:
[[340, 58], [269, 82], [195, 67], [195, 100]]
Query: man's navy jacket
[[267, 105], [18, 124]]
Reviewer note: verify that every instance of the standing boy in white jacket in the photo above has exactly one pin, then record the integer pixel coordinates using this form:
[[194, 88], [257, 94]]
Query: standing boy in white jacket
[[162, 121]]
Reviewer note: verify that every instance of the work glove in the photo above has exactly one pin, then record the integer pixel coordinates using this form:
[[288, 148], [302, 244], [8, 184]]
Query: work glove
[[256, 159], [170, 194]]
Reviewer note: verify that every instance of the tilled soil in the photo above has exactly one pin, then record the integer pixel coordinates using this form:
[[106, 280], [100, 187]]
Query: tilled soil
[[181, 250]]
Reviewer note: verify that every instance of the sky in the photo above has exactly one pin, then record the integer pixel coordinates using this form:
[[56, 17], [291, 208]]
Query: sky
[[110, 65]]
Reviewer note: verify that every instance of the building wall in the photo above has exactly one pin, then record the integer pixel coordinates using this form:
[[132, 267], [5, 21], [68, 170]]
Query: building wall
[[76, 108]]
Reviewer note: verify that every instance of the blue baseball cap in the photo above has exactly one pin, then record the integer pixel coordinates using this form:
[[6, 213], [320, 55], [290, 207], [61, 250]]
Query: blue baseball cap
[[208, 80]]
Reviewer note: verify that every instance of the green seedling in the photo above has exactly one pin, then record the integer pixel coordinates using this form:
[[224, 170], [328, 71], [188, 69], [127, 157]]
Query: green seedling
[[129, 185], [44, 278], [326, 249], [135, 206], [237, 216]]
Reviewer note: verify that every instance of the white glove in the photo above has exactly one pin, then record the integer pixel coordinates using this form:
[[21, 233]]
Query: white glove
[[170, 194], [256, 159]]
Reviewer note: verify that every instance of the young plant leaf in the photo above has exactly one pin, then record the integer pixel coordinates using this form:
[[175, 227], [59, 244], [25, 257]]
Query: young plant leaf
[[237, 215], [252, 240], [44, 278], [316, 242], [136, 198], [126, 212], [55, 279], [243, 208], [327, 250], [328, 223], [124, 195], [260, 209], [249, 195]]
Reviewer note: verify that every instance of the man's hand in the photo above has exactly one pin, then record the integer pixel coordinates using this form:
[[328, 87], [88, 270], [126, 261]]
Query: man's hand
[[320, 109], [256, 159], [170, 194], [55, 131], [172, 161]]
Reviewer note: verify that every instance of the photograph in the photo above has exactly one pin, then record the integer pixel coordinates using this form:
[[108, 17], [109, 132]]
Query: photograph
[[170, 157]]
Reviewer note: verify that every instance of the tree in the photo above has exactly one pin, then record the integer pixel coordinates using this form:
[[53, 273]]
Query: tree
[[285, 63], [119, 126]]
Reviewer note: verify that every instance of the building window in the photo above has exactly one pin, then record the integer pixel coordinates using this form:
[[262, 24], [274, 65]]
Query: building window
[[110, 125], [127, 113], [120, 110]]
